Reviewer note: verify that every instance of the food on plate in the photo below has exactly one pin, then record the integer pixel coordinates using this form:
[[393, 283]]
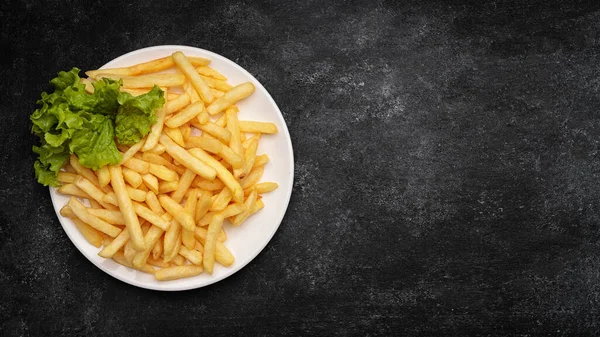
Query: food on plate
[[155, 161]]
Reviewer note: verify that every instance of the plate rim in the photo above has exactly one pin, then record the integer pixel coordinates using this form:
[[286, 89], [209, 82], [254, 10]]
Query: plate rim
[[268, 237]]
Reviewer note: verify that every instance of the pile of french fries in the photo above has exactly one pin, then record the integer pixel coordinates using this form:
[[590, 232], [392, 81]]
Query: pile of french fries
[[161, 211]]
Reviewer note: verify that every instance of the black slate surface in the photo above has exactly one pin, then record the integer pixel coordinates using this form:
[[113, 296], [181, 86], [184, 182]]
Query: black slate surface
[[447, 169]]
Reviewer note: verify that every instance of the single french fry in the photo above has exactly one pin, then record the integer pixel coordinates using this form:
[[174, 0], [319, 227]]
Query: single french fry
[[146, 81], [157, 150], [147, 67], [185, 115], [88, 232], [247, 142], [210, 72], [93, 191], [177, 104], [71, 189], [113, 217], [216, 84], [174, 273], [258, 127], [261, 188], [192, 75], [235, 143], [158, 248], [135, 194], [153, 204], [244, 215], [132, 150], [186, 131], [167, 186], [210, 242], [207, 144], [137, 165], [155, 129], [221, 133], [184, 184], [129, 253], [132, 177], [229, 211], [103, 176], [163, 173], [187, 160], [175, 135], [187, 236], [67, 212], [253, 177], [172, 240], [234, 159], [230, 98], [223, 174], [190, 254], [222, 200], [125, 205], [116, 244], [151, 182], [66, 177], [250, 156], [202, 206], [208, 185], [155, 219], [261, 160], [184, 217], [81, 212]]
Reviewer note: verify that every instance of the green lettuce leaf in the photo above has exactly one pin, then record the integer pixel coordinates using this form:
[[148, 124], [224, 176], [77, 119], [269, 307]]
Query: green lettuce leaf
[[136, 115], [94, 144]]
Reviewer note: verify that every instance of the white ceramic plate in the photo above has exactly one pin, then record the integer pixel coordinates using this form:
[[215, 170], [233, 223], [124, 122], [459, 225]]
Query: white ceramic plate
[[246, 241]]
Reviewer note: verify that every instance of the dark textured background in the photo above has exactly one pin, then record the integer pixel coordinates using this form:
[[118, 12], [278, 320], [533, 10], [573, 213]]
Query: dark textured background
[[447, 169]]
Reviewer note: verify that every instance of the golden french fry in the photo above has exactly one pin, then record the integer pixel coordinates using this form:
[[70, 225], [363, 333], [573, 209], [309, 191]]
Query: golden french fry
[[93, 191], [89, 88], [247, 142], [157, 262], [261, 160], [182, 216], [155, 129], [187, 236], [189, 89], [167, 186], [244, 215], [137, 165], [103, 176], [222, 254], [234, 159], [132, 177], [229, 211], [145, 213], [207, 185], [116, 244], [113, 217], [191, 255], [71, 189], [132, 151], [147, 67], [257, 127], [188, 160], [66, 177], [88, 232], [172, 240], [175, 135], [67, 212], [207, 144], [177, 104], [216, 84], [157, 249], [81, 212], [135, 194], [213, 129], [250, 156], [223, 174], [230, 98], [163, 173], [186, 131], [146, 81], [158, 149], [151, 182], [261, 188], [125, 205], [185, 115], [153, 204], [210, 72], [192, 75], [178, 272], [253, 177], [235, 143], [184, 184], [202, 206], [222, 200]]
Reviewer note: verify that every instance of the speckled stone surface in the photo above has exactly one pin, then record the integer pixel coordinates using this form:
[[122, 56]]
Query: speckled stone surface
[[447, 169]]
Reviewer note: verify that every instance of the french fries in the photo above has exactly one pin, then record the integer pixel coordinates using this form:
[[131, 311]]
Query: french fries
[[166, 203]]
